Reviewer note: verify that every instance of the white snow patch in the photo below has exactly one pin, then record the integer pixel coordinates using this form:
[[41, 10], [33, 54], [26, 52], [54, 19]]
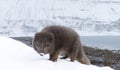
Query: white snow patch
[[15, 55]]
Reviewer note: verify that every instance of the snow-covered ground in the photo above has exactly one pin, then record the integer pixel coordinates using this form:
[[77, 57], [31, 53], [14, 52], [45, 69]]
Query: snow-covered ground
[[15, 55], [91, 17]]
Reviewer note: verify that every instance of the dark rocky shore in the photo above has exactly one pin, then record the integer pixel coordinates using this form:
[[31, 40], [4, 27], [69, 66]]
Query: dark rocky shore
[[99, 57]]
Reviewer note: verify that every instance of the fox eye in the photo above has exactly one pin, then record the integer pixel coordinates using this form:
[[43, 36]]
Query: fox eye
[[50, 39]]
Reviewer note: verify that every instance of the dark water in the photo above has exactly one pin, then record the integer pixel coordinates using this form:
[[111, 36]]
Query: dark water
[[103, 42]]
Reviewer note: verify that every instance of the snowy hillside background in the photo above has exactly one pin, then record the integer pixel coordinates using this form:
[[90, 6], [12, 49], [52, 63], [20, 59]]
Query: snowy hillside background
[[89, 17]]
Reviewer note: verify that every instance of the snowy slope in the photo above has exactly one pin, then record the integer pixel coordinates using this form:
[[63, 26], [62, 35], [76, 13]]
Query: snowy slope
[[91, 17], [15, 55]]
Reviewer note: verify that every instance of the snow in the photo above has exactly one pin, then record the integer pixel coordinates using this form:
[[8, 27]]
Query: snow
[[87, 33], [91, 17], [15, 55]]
